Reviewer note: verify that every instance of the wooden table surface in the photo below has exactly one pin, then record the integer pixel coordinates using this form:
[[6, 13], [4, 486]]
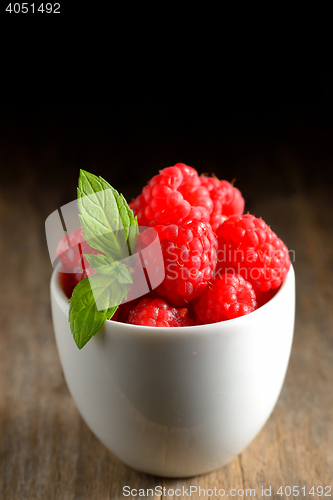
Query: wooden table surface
[[46, 450]]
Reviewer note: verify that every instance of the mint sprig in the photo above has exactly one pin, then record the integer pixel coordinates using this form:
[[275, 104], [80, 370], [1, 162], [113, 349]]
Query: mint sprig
[[105, 217], [109, 226]]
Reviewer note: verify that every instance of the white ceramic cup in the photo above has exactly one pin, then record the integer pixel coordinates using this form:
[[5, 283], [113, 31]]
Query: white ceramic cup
[[178, 402]]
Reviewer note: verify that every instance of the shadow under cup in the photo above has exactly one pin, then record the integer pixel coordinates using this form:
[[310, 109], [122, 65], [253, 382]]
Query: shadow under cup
[[178, 402]]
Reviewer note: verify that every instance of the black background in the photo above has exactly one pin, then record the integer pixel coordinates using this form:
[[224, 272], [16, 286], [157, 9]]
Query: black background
[[69, 104]]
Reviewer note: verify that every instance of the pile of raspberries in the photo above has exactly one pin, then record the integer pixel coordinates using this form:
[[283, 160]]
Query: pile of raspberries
[[219, 262]]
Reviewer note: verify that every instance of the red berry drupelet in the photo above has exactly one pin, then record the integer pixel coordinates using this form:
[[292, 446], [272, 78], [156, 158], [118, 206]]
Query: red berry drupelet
[[189, 256], [250, 248], [228, 296], [157, 312]]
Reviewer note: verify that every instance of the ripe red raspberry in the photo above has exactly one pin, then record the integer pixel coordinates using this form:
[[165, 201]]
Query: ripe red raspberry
[[189, 256], [178, 194], [227, 200], [158, 312], [250, 248], [228, 296], [70, 250], [138, 206], [160, 201], [173, 197]]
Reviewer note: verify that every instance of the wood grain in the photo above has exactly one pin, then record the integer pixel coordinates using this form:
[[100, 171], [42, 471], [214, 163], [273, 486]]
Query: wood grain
[[47, 451]]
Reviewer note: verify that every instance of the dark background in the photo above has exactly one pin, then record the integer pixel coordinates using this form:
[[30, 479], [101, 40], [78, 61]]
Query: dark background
[[271, 132]]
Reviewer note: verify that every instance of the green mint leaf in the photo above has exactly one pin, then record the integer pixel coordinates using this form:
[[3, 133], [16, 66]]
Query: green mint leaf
[[84, 318], [108, 225], [95, 299], [111, 312], [106, 219], [114, 269], [123, 274], [100, 263]]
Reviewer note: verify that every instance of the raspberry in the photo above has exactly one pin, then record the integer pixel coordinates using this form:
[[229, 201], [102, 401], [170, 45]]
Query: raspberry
[[178, 194], [67, 283], [196, 194], [70, 250], [189, 254], [264, 297], [250, 248], [158, 312], [138, 207], [229, 296], [160, 201], [172, 197], [227, 200]]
